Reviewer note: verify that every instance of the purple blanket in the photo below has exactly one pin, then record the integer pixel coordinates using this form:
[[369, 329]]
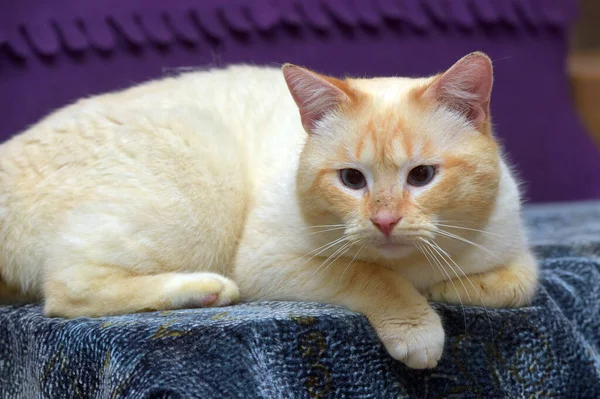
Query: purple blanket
[[52, 53]]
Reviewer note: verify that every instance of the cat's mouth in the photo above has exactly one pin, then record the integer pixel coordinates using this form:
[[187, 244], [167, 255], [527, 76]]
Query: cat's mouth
[[393, 250], [393, 245]]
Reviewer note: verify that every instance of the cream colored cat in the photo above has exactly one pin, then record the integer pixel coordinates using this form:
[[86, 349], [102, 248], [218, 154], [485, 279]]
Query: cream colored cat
[[374, 194]]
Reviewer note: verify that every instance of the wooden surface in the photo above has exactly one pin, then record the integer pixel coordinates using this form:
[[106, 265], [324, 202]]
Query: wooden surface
[[584, 71]]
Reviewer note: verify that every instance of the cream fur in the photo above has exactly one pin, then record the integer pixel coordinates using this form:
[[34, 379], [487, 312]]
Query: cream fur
[[147, 198]]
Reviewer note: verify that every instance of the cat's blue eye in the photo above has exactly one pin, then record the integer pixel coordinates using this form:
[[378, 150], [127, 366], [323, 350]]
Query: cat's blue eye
[[421, 175], [353, 178]]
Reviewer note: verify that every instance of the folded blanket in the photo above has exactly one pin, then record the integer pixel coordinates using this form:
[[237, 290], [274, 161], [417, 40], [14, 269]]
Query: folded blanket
[[307, 350]]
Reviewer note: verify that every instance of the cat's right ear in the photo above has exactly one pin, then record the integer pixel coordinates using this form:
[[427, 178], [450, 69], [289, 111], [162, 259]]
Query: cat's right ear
[[314, 94]]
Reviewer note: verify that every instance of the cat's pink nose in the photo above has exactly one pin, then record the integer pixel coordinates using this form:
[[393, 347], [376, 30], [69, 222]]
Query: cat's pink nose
[[385, 223]]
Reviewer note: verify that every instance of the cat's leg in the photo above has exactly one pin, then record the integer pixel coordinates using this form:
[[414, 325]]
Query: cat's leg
[[409, 328], [111, 258], [510, 285], [95, 290], [134, 209]]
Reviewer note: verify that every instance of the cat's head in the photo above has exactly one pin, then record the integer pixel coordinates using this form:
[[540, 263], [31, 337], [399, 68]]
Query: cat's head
[[391, 158]]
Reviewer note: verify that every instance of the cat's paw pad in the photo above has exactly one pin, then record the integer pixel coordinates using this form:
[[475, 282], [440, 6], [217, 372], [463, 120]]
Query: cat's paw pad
[[199, 290], [417, 343]]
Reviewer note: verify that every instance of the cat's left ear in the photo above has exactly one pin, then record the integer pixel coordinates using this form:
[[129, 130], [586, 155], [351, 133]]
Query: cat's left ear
[[466, 88], [315, 95]]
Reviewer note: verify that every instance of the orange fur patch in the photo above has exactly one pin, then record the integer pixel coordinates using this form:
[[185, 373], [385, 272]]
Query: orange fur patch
[[387, 139]]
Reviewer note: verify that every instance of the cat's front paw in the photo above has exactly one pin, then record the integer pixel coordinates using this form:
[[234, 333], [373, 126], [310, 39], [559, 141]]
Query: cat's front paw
[[505, 286], [417, 342]]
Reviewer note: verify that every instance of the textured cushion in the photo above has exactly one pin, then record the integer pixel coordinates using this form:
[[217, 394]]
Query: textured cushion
[[53, 52], [305, 350]]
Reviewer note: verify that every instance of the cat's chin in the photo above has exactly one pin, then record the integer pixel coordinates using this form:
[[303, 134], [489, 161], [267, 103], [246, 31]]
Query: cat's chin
[[395, 251]]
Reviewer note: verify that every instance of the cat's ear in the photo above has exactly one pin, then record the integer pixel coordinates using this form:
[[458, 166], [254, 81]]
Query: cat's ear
[[314, 94], [466, 88]]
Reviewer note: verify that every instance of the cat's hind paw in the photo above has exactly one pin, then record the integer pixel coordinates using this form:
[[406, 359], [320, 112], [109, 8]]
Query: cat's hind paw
[[199, 290]]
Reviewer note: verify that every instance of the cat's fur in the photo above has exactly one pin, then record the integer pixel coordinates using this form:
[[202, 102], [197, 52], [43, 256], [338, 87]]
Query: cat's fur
[[176, 192]]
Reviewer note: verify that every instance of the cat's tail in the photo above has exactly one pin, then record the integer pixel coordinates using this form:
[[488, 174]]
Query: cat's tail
[[11, 295]]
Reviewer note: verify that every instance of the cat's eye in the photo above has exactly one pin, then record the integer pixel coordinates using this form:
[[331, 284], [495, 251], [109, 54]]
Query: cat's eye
[[421, 175], [353, 178]]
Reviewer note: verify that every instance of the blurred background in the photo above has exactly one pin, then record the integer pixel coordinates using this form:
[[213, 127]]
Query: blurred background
[[584, 65], [547, 68]]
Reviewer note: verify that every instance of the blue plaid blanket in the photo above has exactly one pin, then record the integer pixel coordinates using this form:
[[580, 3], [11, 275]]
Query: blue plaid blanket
[[308, 350]]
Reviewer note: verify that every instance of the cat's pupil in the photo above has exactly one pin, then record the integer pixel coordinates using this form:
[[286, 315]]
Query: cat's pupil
[[353, 178], [421, 175]]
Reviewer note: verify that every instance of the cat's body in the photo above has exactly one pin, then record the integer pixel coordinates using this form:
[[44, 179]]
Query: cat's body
[[143, 199]]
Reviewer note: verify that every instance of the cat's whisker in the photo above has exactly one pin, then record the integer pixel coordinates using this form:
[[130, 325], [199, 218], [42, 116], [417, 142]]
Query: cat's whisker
[[469, 229], [322, 231], [323, 226], [462, 239], [428, 257], [342, 250], [457, 266], [348, 247], [422, 250], [350, 263], [339, 256], [469, 281], [335, 228], [467, 226], [321, 249], [429, 247], [437, 249], [464, 222], [436, 261]]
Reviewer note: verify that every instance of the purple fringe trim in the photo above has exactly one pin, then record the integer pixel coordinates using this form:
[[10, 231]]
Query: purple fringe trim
[[74, 25]]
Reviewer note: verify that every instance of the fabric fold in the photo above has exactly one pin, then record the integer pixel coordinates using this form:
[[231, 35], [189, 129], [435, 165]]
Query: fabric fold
[[99, 34], [182, 25], [154, 26], [71, 35], [41, 37], [264, 15], [341, 11], [129, 28], [235, 18], [367, 13]]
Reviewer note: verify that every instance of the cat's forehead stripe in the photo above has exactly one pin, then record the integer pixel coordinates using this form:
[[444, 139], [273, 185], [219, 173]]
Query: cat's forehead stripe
[[384, 140]]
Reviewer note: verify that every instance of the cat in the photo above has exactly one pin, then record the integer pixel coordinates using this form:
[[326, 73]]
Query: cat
[[259, 183]]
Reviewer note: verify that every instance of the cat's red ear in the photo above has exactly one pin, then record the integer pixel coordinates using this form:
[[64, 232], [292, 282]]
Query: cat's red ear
[[315, 95], [466, 88]]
